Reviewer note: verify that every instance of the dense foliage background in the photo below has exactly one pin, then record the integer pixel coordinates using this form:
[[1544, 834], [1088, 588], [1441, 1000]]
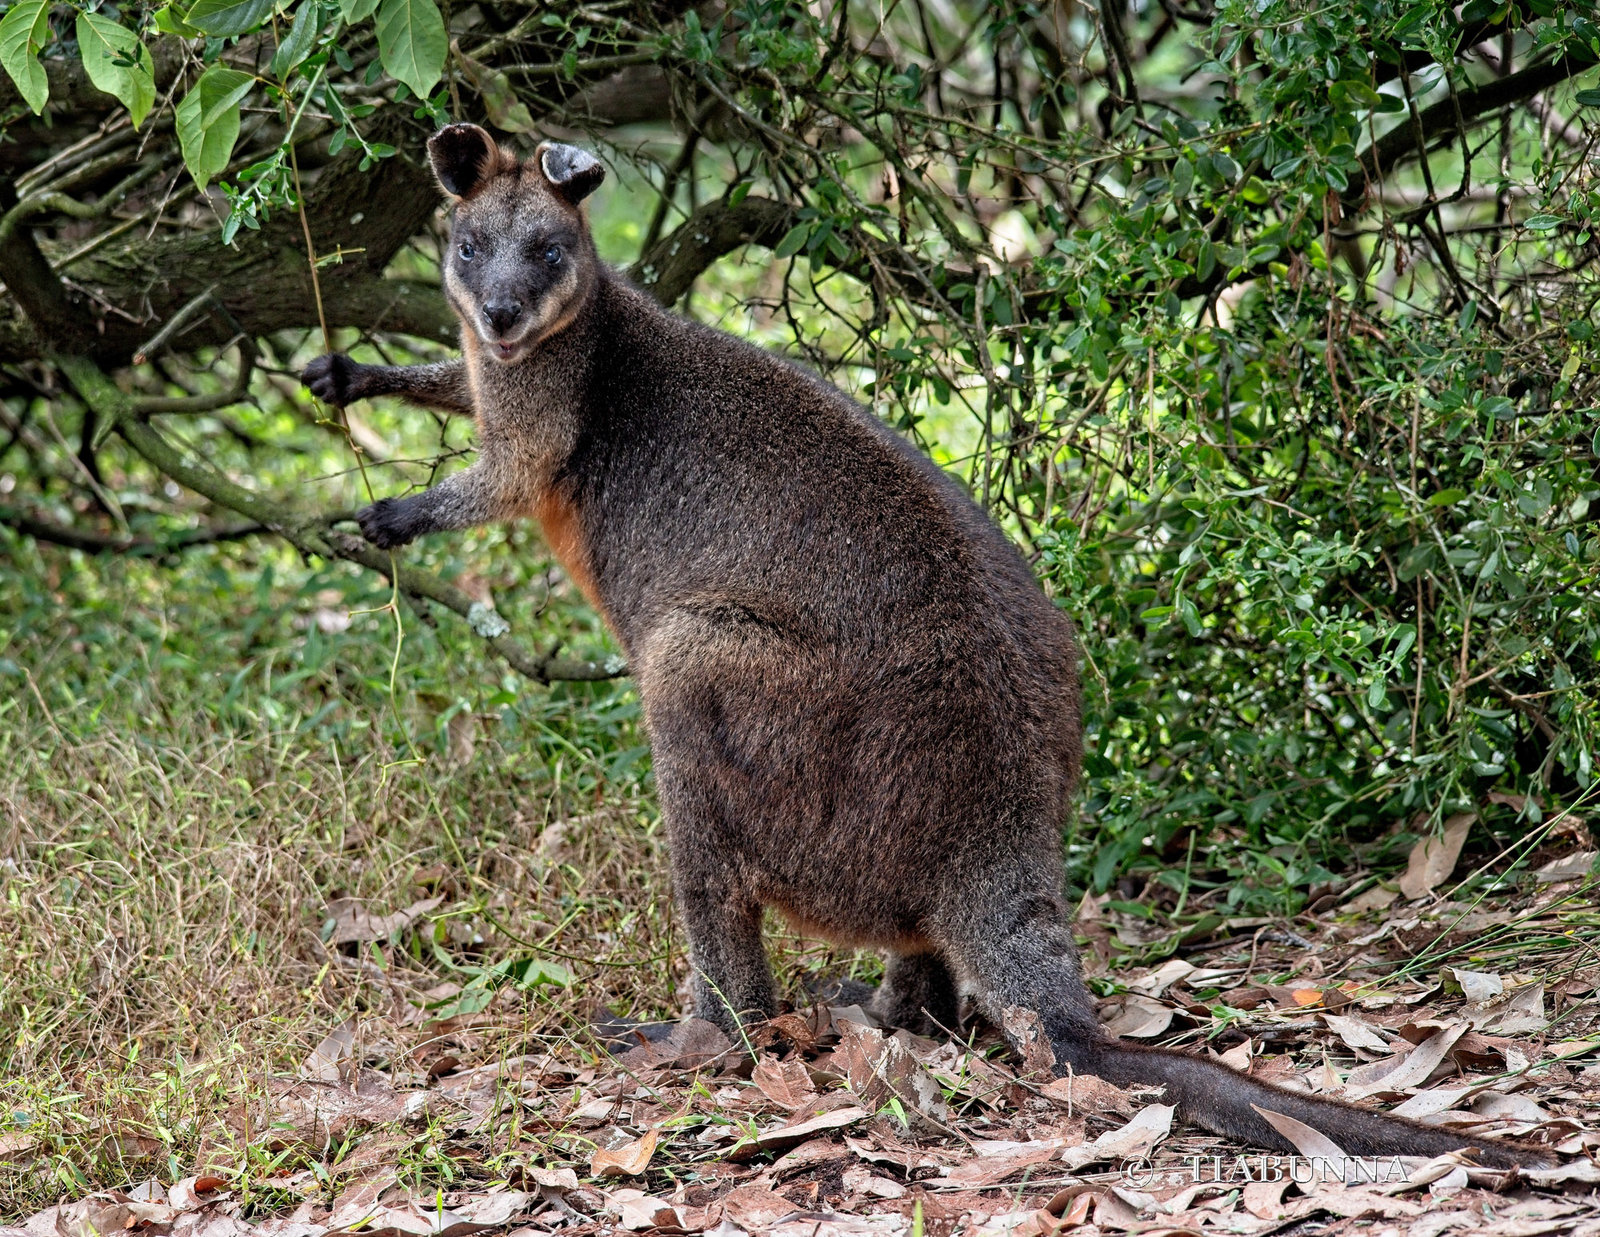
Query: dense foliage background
[[1265, 328]]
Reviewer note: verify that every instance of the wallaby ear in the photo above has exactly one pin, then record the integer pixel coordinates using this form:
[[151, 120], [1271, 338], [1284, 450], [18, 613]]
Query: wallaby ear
[[462, 156], [572, 173]]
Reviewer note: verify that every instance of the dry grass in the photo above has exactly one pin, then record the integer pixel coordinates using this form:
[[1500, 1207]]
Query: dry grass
[[175, 856]]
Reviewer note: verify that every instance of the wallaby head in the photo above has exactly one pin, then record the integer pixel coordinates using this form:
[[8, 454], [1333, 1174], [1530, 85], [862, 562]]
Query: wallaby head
[[520, 261]]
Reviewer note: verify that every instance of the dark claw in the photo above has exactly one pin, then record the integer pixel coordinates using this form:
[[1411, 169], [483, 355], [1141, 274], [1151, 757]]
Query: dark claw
[[385, 523], [333, 379]]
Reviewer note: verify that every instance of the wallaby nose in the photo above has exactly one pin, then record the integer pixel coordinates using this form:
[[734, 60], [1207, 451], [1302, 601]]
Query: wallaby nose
[[503, 315]]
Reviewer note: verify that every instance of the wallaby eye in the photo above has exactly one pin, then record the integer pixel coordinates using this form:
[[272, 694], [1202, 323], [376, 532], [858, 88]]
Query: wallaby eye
[[466, 251], [552, 255]]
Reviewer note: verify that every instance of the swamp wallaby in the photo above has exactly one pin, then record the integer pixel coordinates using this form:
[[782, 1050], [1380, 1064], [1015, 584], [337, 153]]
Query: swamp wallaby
[[864, 711]]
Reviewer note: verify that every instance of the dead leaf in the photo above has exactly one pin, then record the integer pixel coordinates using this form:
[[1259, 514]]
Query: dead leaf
[[1309, 1142], [1140, 1018], [990, 1170], [1264, 1199], [859, 1179], [193, 1193], [638, 1211], [1568, 867], [1157, 982], [782, 1137], [1025, 1031], [16, 1145], [1434, 858], [1356, 1033], [353, 923], [1479, 987], [1412, 1070], [1135, 1139], [329, 1059], [1523, 1012], [1085, 1093], [786, 1083], [1509, 1108], [755, 1207], [881, 1068], [628, 1160], [1374, 899]]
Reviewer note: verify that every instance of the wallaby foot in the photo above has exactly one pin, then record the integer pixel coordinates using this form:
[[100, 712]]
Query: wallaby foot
[[840, 990], [619, 1035], [917, 995]]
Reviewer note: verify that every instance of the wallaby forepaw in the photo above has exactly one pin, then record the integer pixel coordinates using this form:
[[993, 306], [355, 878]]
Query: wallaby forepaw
[[385, 524], [331, 378]]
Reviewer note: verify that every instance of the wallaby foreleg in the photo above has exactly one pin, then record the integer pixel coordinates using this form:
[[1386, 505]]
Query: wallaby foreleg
[[335, 379]]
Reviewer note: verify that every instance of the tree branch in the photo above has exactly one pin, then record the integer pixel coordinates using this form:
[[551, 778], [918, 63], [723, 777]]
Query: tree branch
[[1407, 139], [670, 267], [311, 535], [91, 542]]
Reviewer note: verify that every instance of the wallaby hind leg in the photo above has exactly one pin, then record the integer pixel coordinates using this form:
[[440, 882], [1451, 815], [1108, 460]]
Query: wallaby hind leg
[[917, 995]]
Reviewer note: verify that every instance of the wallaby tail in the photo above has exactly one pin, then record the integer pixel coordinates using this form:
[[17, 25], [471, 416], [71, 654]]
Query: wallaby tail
[[1220, 1099]]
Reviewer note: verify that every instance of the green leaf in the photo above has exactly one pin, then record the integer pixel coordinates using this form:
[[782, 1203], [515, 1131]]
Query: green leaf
[[1588, 98], [103, 43], [1376, 693], [23, 33], [1542, 223], [225, 18], [302, 37], [1446, 498], [412, 43], [500, 101], [357, 10], [169, 20], [793, 241], [208, 121], [1191, 618]]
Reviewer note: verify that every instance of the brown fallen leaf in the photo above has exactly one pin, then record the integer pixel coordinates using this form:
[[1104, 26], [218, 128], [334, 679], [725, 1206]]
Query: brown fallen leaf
[[1356, 1033], [1025, 1030], [1434, 858], [754, 1207], [782, 1137], [637, 1211], [881, 1068], [1140, 1018], [990, 1170], [330, 1061], [1264, 1199], [628, 1160], [1085, 1093], [1412, 1070], [786, 1083], [1135, 1139], [1309, 1142], [352, 923], [192, 1193]]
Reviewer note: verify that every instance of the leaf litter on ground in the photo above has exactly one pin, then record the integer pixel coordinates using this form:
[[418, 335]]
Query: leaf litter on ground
[[839, 1126]]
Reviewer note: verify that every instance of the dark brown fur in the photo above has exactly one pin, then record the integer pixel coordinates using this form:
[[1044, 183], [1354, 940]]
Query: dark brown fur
[[863, 710]]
